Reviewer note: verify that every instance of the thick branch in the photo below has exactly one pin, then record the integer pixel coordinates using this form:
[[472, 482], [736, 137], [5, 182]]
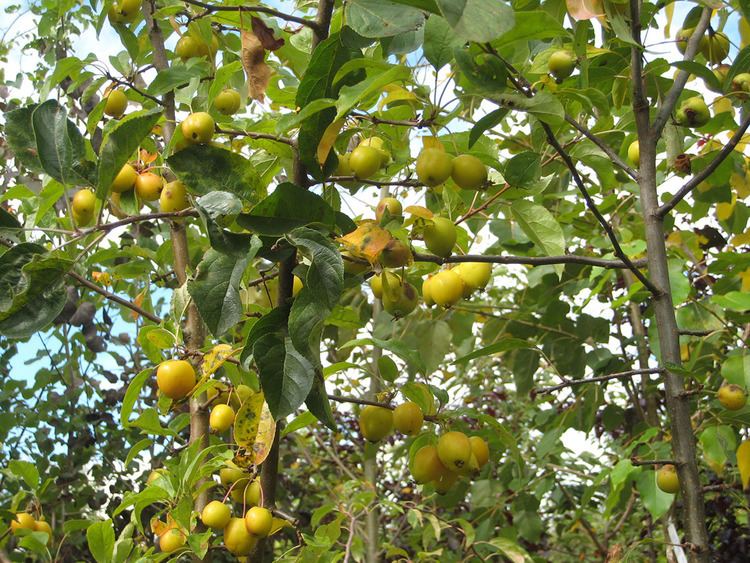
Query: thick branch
[[530, 260], [249, 9], [115, 298], [670, 100], [693, 183], [576, 382]]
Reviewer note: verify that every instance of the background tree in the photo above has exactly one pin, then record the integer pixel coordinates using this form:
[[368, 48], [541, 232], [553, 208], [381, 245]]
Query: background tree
[[233, 247]]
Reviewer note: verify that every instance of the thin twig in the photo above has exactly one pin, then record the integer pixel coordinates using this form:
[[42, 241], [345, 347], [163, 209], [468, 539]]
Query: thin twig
[[482, 207], [255, 135], [418, 123], [366, 402], [530, 260], [406, 183], [116, 298], [609, 151], [636, 461], [258, 9], [693, 183], [575, 382], [584, 522]]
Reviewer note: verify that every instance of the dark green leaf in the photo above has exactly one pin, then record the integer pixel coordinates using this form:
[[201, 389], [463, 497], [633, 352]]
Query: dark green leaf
[[523, 169], [477, 20], [26, 471], [206, 168], [382, 18], [439, 42], [318, 403], [59, 144], [504, 345], [20, 136], [288, 207], [176, 75], [487, 122], [531, 25]]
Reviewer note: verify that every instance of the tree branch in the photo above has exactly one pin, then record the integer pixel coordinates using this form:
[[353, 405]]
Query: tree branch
[[693, 183], [670, 100], [112, 297], [257, 9], [254, 135], [418, 123], [576, 382], [530, 260], [595, 210], [367, 402], [609, 151], [406, 183], [636, 461]]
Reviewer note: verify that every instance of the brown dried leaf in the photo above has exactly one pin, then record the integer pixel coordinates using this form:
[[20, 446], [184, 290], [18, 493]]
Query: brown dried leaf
[[265, 35], [253, 57]]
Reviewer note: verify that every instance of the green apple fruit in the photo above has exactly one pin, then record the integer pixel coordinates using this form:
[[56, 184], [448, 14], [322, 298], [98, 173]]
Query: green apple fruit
[[116, 103], [434, 167], [469, 173], [440, 236], [228, 101], [561, 64]]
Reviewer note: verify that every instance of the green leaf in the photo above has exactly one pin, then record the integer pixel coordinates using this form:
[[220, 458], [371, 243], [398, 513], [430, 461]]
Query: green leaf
[[216, 289], [439, 42], [59, 144], [544, 106], [530, 25], [32, 292], [317, 82], [350, 96], [132, 394], [500, 347], [477, 20], [702, 71], [119, 145], [734, 301], [137, 449], [387, 368], [510, 549], [485, 72], [26, 471], [149, 422], [523, 169], [318, 403], [382, 18], [718, 443], [288, 207], [291, 120], [176, 75], [206, 168], [678, 281], [541, 227], [740, 64], [100, 537], [656, 501], [20, 136], [486, 123]]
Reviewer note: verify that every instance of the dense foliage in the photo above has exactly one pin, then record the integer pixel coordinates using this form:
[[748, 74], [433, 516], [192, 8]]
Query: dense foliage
[[229, 250]]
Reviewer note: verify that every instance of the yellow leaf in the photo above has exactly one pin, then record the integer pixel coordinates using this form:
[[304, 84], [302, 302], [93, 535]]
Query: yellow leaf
[[669, 9], [214, 359], [419, 211], [139, 302], [264, 436], [253, 57], [367, 241], [743, 462], [247, 420], [745, 277], [742, 239], [432, 143], [744, 27], [396, 94], [278, 524], [724, 210], [328, 139]]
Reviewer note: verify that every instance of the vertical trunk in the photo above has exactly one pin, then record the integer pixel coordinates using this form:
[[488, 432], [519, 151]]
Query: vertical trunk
[[678, 406]]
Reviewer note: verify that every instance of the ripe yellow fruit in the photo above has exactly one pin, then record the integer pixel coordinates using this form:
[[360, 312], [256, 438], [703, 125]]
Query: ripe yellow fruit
[[667, 479], [480, 450], [352, 267], [391, 204], [43, 526], [376, 283], [454, 450], [426, 466], [400, 300], [446, 288], [237, 539], [433, 167], [693, 112], [148, 186], [173, 197], [408, 418], [154, 475], [187, 47], [216, 515], [732, 397], [172, 540], [259, 521], [427, 292], [474, 275], [175, 378], [375, 423], [297, 286], [561, 64], [715, 47], [228, 101], [364, 162], [125, 179], [82, 207], [221, 418], [124, 11], [468, 172], [198, 127], [116, 103], [247, 493], [22, 521], [395, 254], [440, 236], [634, 153]]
